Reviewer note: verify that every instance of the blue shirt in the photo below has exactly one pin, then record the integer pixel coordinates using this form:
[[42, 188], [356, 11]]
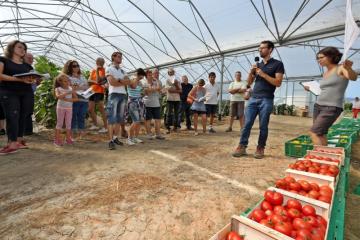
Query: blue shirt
[[262, 88]]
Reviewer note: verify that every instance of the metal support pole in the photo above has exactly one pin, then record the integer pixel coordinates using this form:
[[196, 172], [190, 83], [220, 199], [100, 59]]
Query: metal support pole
[[221, 86]]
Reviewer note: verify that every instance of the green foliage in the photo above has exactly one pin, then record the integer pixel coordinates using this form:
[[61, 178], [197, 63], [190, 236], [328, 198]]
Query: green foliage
[[45, 102], [348, 106], [86, 74], [290, 110], [280, 109]]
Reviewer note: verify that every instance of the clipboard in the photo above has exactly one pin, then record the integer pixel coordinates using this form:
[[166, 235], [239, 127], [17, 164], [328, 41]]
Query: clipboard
[[29, 74], [314, 87]]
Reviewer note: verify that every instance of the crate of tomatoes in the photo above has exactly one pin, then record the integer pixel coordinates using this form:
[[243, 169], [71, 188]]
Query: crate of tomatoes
[[319, 191], [317, 167], [284, 215], [327, 157]]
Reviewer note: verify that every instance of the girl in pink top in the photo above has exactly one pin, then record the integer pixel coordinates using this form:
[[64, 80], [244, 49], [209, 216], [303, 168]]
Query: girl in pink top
[[66, 96]]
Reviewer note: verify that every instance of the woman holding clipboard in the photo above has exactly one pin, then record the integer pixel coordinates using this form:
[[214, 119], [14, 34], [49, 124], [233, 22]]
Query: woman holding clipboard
[[329, 104], [16, 94]]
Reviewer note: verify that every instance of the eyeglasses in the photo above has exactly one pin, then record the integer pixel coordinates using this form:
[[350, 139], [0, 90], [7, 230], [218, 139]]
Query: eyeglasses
[[261, 48], [75, 66]]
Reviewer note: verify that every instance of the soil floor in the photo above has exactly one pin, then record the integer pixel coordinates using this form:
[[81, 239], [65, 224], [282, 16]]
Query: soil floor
[[184, 187]]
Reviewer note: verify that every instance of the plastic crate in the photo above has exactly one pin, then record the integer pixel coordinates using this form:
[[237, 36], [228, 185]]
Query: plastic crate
[[297, 147]]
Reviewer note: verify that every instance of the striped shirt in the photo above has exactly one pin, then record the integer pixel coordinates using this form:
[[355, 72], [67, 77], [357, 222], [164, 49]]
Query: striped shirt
[[135, 92]]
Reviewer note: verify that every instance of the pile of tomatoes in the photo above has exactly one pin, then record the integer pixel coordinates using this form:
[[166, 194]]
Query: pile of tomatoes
[[292, 219], [305, 188], [314, 167], [329, 159]]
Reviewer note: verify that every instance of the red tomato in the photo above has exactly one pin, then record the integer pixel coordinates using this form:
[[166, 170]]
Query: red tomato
[[313, 170], [293, 191], [321, 220], [308, 210], [323, 198], [294, 213], [292, 203], [289, 179], [315, 186], [295, 186], [317, 234], [269, 212], [281, 183], [303, 234], [265, 205], [323, 171], [284, 228], [314, 194], [274, 198], [299, 223], [267, 223], [305, 185], [276, 218], [312, 220], [258, 215], [326, 188], [234, 236], [303, 193]]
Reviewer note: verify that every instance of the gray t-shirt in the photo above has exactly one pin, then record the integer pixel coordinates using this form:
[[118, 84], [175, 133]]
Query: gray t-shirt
[[152, 99], [332, 90]]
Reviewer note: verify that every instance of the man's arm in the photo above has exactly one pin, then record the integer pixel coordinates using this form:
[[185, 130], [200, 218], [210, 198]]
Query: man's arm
[[276, 81], [118, 82]]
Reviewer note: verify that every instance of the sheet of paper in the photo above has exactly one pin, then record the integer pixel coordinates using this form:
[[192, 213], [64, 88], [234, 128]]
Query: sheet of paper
[[314, 87]]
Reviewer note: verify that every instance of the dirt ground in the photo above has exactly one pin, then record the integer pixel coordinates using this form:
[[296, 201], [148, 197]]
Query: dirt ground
[[185, 187]]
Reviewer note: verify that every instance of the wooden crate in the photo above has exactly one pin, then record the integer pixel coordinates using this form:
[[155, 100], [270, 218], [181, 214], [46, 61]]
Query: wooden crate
[[251, 229], [330, 149], [312, 177], [334, 156]]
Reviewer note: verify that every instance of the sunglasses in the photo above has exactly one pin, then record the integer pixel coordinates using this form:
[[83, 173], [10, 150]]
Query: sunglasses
[[75, 66]]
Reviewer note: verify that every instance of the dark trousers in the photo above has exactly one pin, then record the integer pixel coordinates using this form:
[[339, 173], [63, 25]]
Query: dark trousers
[[172, 113], [185, 109], [17, 106], [28, 124]]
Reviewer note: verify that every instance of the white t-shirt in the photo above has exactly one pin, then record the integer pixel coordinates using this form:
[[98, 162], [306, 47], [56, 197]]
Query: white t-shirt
[[237, 97], [356, 105], [212, 92], [117, 73]]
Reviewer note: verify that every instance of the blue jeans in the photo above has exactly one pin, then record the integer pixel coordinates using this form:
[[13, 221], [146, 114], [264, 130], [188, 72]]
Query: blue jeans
[[78, 117], [257, 106], [116, 107]]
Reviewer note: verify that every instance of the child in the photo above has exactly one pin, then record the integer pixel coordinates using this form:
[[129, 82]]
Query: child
[[135, 106], [198, 106], [66, 96]]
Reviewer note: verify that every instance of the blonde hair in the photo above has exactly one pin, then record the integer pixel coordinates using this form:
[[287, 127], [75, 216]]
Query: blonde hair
[[58, 79]]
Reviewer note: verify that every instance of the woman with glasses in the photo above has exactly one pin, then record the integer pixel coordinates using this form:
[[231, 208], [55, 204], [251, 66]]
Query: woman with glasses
[[80, 108]]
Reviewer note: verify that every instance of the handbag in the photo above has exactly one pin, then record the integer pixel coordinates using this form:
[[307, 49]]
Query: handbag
[[189, 100]]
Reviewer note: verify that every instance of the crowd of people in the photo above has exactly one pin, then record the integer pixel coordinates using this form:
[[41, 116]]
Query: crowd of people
[[119, 97]]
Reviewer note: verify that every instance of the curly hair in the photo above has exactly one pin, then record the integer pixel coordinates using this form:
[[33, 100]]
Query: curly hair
[[68, 67], [10, 48]]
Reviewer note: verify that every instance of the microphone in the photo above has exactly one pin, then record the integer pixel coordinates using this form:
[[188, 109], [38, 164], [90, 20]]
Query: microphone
[[257, 60]]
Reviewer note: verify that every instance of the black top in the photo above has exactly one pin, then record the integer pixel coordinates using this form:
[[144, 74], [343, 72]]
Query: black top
[[10, 69], [262, 88], [186, 88]]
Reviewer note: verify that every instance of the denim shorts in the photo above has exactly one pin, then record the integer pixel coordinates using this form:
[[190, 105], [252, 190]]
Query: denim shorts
[[115, 108], [136, 110]]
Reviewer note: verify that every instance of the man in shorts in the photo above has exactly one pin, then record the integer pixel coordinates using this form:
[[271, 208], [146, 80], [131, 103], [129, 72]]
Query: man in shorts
[[237, 102], [212, 93]]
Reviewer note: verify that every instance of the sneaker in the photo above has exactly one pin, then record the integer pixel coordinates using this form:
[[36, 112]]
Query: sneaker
[[94, 127], [116, 140], [2, 132], [22, 145], [58, 143], [160, 137], [259, 154], [229, 129], [239, 151], [69, 141], [6, 150], [149, 137], [211, 130], [103, 130], [137, 140], [196, 133], [130, 142], [168, 131], [112, 145]]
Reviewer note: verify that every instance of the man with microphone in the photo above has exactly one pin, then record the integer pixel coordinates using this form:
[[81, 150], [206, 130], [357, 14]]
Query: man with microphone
[[268, 74]]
